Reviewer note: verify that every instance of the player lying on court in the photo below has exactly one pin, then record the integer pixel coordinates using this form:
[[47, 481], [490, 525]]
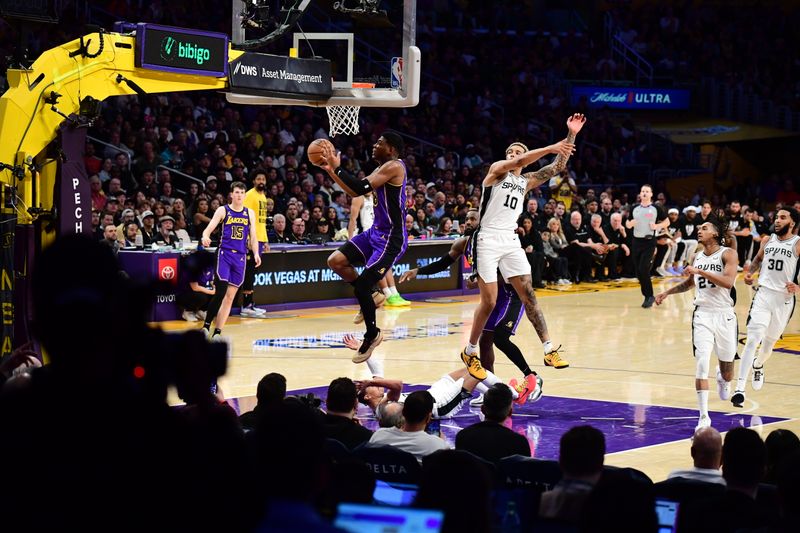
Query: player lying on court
[[385, 396], [497, 244], [501, 324], [773, 304], [714, 324], [382, 244]]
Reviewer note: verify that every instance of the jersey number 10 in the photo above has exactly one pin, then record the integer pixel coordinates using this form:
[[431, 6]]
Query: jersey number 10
[[511, 201]]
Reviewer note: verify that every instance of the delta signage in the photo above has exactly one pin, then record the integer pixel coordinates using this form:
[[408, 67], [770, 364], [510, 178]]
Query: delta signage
[[280, 76], [631, 97], [181, 50]]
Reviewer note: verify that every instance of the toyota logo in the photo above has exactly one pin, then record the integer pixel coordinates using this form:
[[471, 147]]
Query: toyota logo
[[167, 272]]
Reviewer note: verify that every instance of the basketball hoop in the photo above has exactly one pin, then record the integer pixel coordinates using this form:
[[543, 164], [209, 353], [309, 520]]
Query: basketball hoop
[[343, 119]]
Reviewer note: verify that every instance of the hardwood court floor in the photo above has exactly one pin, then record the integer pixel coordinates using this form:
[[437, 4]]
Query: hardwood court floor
[[618, 352]]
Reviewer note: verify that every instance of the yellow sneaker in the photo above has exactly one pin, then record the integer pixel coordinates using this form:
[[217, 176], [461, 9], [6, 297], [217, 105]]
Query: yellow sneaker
[[474, 366], [554, 359]]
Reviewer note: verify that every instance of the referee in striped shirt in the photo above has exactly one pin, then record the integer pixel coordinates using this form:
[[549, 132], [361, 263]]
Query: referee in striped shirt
[[646, 220]]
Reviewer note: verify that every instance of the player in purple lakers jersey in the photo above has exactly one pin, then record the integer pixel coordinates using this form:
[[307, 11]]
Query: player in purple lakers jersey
[[238, 231], [386, 241], [502, 323]]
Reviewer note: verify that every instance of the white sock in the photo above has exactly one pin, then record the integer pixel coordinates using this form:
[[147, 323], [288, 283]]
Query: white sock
[[375, 366], [548, 347], [387, 291], [480, 387], [393, 291], [702, 402], [471, 349], [491, 379], [748, 355]]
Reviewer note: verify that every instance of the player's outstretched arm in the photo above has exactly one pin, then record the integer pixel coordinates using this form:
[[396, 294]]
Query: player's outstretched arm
[[574, 125], [219, 214], [441, 264], [501, 168]]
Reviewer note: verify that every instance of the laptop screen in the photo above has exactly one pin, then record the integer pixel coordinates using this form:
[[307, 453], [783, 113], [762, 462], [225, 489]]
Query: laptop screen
[[394, 494], [360, 518], [667, 512]]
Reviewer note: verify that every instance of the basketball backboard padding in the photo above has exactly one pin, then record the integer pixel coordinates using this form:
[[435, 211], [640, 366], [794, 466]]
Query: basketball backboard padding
[[364, 97]]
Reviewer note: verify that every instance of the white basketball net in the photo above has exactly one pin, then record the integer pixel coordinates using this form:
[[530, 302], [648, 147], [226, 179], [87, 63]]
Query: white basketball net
[[343, 119]]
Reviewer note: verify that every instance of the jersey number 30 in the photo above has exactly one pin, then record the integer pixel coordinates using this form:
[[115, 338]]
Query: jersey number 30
[[775, 264]]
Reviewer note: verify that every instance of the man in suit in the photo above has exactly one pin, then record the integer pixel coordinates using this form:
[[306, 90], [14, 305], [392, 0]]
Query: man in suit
[[490, 439]]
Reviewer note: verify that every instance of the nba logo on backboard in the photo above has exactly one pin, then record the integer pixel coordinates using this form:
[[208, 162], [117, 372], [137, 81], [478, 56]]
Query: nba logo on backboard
[[168, 270], [397, 72]]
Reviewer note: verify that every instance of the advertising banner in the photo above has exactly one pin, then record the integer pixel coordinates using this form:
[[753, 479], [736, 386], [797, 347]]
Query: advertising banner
[[281, 76], [631, 97]]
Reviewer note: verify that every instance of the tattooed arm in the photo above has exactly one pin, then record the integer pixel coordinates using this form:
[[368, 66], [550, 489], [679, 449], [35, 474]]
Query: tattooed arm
[[755, 264], [684, 286], [544, 174]]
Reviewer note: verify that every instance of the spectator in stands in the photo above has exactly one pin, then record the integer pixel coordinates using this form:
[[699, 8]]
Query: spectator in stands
[[411, 227], [298, 234], [411, 437], [110, 238], [491, 439], [126, 218], [270, 393], [278, 234], [707, 457], [581, 460], [132, 238], [600, 254], [743, 462], [531, 242], [98, 196], [557, 270], [149, 235], [107, 219], [617, 246], [780, 444], [563, 189], [323, 232], [339, 422], [333, 217], [579, 251], [444, 470], [166, 235], [200, 219]]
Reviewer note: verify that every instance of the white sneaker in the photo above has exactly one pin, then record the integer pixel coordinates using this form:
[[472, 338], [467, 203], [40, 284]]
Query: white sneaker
[[201, 315], [723, 387], [477, 402], [703, 422], [259, 311], [663, 272], [248, 312], [758, 376], [188, 316]]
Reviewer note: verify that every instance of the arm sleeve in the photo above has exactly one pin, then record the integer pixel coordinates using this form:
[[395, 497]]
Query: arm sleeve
[[440, 265], [361, 186]]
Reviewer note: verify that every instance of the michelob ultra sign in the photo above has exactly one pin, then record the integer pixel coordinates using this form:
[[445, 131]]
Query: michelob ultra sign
[[631, 97]]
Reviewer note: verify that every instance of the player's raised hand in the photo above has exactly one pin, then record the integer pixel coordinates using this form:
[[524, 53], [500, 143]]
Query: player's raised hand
[[408, 275], [331, 158], [351, 342], [562, 148], [576, 122]]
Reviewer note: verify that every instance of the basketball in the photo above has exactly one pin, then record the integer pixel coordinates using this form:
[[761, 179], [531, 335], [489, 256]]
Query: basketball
[[316, 150]]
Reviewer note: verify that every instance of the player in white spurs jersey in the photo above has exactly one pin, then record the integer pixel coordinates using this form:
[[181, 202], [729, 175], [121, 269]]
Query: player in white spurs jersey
[[774, 301], [714, 325], [497, 244]]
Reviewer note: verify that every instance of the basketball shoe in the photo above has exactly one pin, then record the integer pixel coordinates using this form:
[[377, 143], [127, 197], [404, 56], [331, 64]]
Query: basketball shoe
[[379, 298], [554, 359], [723, 387], [738, 398], [474, 366], [395, 300], [524, 388], [477, 401], [703, 422], [367, 347]]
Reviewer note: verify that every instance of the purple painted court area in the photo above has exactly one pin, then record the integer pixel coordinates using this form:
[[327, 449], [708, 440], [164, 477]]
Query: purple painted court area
[[626, 426]]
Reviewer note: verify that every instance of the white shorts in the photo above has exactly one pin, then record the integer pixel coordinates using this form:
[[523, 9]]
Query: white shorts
[[769, 314], [446, 394], [715, 330], [500, 250]]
